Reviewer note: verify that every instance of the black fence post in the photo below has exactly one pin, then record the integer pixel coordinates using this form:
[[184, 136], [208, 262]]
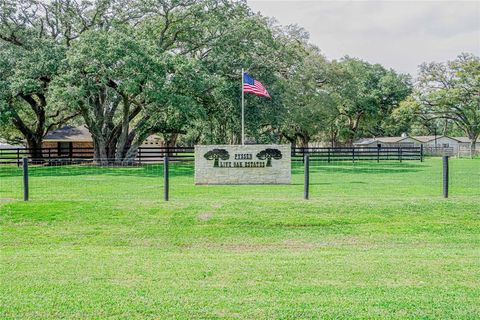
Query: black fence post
[[400, 154], [445, 176], [378, 154], [421, 153], [165, 177], [306, 169], [18, 157], [25, 178], [353, 154]]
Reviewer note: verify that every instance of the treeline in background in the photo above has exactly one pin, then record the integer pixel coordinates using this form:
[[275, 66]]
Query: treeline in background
[[130, 69]]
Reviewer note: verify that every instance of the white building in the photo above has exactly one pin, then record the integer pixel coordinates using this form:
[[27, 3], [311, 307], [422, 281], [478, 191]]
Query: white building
[[403, 141], [434, 145]]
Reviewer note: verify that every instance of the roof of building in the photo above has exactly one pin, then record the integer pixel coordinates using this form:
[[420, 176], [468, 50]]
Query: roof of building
[[153, 138], [367, 141], [69, 133], [390, 139], [5, 145], [465, 139], [431, 138], [82, 134], [423, 139]]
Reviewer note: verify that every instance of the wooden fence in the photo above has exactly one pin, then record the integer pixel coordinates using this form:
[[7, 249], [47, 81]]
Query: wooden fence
[[157, 154]]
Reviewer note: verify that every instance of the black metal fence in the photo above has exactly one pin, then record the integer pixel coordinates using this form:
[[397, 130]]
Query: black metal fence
[[359, 154], [93, 172], [157, 154], [72, 154]]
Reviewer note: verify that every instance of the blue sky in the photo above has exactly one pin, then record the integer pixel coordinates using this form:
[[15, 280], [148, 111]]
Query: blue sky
[[397, 34]]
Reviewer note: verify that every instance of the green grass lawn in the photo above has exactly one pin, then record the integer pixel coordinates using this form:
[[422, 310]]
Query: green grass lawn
[[374, 241]]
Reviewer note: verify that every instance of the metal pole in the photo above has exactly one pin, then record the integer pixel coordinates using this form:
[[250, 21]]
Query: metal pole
[[306, 169], [25, 178], [243, 112], [165, 177], [445, 176]]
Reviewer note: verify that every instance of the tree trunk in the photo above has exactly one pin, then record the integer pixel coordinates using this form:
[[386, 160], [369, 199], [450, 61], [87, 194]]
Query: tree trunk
[[304, 139], [334, 139], [122, 139], [131, 153], [172, 140], [33, 136], [132, 147], [136, 137], [292, 140], [354, 125], [472, 147], [34, 145], [473, 136], [100, 154]]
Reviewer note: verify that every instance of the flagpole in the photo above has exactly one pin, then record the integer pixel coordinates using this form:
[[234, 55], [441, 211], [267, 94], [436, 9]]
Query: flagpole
[[243, 112]]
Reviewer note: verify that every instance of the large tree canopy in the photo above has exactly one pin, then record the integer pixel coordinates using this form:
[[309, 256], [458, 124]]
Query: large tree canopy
[[451, 91], [34, 39], [177, 65], [125, 88], [305, 106], [366, 94], [129, 69], [26, 72]]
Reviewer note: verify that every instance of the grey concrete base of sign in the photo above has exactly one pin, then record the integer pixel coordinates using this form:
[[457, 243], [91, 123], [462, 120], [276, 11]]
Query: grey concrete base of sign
[[243, 164]]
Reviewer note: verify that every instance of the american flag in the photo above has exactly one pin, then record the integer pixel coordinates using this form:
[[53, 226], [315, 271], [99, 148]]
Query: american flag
[[254, 86]]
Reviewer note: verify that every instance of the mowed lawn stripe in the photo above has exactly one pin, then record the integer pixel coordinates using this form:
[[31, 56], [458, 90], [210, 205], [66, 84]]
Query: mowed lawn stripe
[[374, 241]]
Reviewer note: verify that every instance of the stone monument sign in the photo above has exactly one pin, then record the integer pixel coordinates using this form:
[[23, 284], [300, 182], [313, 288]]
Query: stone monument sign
[[243, 164]]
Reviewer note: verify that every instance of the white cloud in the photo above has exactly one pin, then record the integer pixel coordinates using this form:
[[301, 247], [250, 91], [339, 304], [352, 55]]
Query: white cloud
[[397, 34]]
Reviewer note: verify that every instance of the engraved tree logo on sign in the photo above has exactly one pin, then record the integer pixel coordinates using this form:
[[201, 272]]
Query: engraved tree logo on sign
[[217, 154], [269, 154]]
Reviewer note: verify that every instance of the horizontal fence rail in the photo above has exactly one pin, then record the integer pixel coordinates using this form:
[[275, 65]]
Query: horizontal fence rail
[[81, 155], [359, 154], [156, 154]]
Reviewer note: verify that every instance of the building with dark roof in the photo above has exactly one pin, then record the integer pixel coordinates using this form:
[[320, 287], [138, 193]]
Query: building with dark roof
[[78, 142]]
